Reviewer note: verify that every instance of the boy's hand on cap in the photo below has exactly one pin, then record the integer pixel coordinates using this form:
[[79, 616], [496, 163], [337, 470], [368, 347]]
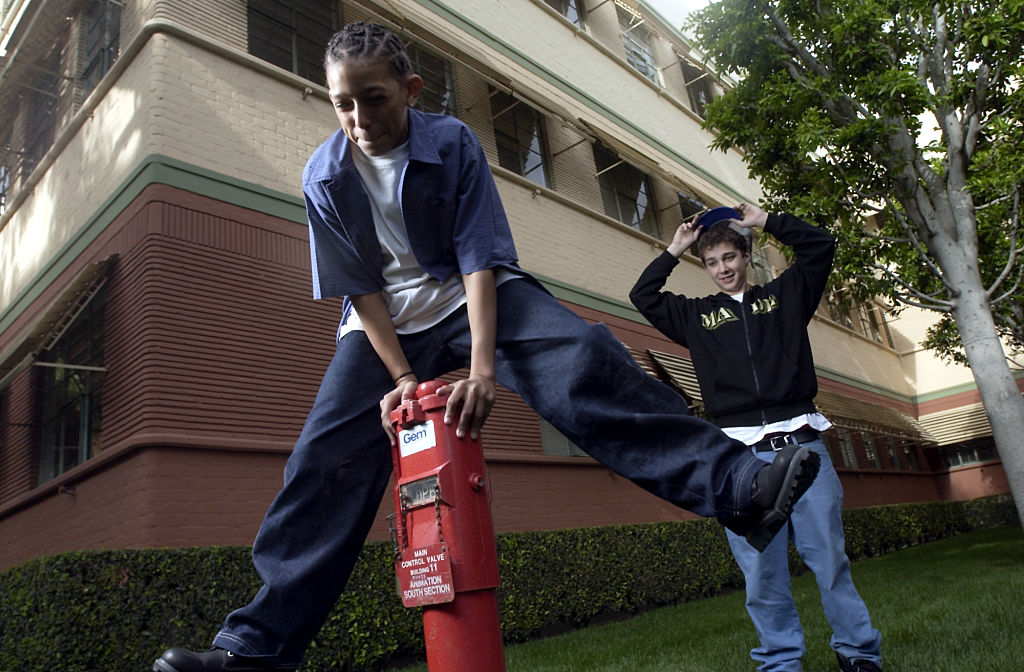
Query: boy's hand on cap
[[752, 215], [685, 234]]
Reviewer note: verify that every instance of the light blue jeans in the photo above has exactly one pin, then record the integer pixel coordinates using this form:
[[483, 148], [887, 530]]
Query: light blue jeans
[[816, 528]]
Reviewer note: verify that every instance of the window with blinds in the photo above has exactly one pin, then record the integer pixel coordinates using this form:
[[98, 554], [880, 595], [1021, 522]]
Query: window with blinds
[[292, 34]]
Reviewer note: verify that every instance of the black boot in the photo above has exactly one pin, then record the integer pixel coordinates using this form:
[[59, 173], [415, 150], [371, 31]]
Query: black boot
[[857, 665], [214, 660], [777, 487]]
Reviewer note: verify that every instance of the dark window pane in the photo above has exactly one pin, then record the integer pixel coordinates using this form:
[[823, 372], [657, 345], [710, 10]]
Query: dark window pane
[[71, 396], [625, 191], [517, 132], [438, 95], [292, 34], [569, 9]]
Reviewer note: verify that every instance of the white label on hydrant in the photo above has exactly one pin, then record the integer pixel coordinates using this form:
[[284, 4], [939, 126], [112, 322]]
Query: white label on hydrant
[[416, 438]]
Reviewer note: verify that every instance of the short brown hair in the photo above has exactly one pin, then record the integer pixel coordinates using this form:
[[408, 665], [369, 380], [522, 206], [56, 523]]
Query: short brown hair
[[721, 232]]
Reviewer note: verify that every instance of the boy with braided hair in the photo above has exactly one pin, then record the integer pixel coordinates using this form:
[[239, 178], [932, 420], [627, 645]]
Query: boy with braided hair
[[405, 222]]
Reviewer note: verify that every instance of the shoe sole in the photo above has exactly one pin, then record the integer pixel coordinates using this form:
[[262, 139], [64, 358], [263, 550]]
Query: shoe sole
[[803, 468], [160, 665]]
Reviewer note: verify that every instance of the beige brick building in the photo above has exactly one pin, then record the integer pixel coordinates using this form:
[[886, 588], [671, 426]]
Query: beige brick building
[[158, 344]]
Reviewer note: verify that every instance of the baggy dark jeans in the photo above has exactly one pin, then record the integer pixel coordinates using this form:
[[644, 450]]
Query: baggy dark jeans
[[575, 375]]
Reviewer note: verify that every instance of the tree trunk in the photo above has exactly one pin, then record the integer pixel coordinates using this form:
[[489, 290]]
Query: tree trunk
[[1003, 402]]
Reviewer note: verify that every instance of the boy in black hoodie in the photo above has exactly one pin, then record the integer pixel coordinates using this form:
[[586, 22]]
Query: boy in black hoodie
[[752, 356]]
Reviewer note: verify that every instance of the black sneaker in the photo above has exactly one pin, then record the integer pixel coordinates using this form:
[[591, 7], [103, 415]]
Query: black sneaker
[[777, 487], [214, 660], [857, 665]]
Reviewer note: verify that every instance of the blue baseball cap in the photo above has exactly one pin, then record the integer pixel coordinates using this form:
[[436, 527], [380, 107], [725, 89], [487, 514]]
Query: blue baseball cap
[[715, 215]]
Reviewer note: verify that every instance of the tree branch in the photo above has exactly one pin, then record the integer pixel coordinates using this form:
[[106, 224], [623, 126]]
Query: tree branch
[[907, 288], [843, 107], [971, 124], [1011, 260], [1010, 292], [792, 45], [920, 248]]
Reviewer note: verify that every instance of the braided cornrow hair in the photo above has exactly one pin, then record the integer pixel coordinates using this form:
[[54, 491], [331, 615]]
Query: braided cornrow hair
[[368, 42]]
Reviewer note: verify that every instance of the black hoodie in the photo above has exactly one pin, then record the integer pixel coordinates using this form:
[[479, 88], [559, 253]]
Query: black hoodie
[[753, 360]]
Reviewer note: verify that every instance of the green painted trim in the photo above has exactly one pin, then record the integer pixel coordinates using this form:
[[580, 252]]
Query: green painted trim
[[959, 389], [154, 169], [221, 187], [947, 392], [587, 299], [596, 105]]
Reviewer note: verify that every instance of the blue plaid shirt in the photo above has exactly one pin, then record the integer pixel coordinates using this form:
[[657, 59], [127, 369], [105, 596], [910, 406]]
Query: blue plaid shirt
[[453, 214]]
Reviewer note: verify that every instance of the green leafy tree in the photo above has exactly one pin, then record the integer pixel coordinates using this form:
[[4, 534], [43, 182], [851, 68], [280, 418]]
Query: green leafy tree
[[835, 108]]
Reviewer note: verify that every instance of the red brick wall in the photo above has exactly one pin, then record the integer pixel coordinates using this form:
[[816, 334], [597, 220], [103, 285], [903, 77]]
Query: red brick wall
[[972, 481], [215, 350]]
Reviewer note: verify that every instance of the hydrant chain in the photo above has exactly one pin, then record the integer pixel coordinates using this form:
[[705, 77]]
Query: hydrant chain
[[437, 514]]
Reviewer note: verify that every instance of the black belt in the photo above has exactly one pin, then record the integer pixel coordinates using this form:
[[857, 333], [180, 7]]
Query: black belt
[[776, 443]]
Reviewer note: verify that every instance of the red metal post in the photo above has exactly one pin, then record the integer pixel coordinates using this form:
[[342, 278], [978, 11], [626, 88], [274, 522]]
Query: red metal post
[[447, 561]]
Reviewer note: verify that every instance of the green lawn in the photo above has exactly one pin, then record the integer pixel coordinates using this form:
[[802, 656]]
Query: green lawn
[[954, 605]]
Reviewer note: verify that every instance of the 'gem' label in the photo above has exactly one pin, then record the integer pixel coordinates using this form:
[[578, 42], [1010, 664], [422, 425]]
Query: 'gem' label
[[417, 438]]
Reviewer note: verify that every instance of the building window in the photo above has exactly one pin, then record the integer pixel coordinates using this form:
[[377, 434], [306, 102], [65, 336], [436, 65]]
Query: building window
[[570, 9], [870, 450], [41, 113], [872, 324], [698, 88], [554, 443], [970, 452], [518, 134], [838, 307], [866, 319], [890, 449], [625, 191], [5, 185], [72, 382], [760, 265], [292, 34], [438, 95], [847, 450], [102, 37], [910, 452], [690, 205], [637, 41]]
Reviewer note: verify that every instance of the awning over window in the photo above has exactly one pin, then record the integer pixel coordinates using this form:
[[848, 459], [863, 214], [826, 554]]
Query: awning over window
[[679, 372], [957, 424], [859, 415], [50, 325]]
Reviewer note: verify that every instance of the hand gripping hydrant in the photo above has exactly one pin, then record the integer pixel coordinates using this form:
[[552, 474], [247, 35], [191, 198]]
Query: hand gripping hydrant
[[445, 556]]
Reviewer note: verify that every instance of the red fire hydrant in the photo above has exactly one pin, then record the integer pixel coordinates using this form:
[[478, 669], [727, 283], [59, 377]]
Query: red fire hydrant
[[446, 560]]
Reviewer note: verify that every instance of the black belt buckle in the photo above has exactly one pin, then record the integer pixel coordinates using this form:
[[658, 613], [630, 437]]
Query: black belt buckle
[[777, 443]]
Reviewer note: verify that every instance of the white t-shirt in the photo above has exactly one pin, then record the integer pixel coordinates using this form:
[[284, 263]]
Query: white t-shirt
[[415, 300]]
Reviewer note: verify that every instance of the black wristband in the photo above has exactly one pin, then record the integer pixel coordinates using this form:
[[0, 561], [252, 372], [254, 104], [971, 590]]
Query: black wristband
[[407, 373]]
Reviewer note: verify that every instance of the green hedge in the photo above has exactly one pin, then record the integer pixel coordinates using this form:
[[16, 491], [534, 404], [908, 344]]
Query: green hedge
[[114, 611]]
